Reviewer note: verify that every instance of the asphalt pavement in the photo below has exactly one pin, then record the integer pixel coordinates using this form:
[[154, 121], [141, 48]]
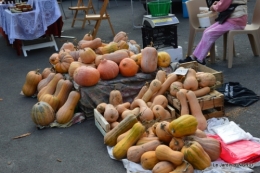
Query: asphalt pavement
[[80, 147]]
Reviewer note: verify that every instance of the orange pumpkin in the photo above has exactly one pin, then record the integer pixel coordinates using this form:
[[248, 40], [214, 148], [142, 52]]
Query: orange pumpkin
[[87, 55], [86, 76], [63, 65], [128, 67], [108, 69]]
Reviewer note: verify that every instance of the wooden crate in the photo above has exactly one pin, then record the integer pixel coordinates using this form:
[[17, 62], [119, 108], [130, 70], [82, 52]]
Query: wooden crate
[[202, 68], [104, 126], [212, 104]]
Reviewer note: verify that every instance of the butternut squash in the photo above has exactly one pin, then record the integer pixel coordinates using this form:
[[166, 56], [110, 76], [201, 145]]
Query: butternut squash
[[154, 86], [162, 132], [122, 107], [149, 60], [146, 139], [101, 107], [110, 137], [160, 100], [190, 82], [64, 92], [50, 87], [176, 144], [146, 114], [185, 167], [165, 153], [134, 153], [93, 44], [135, 112], [161, 114], [111, 47], [66, 112], [161, 75], [111, 114], [165, 86], [181, 96], [202, 91], [45, 81], [163, 167], [142, 91], [116, 56], [196, 110], [120, 149], [115, 97], [175, 87], [149, 160]]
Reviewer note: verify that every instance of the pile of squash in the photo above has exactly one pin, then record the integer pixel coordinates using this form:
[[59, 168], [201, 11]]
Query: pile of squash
[[145, 132], [57, 99], [91, 59], [85, 64]]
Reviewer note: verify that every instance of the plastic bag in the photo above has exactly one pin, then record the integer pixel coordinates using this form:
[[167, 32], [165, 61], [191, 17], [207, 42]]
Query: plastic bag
[[244, 151], [238, 95], [231, 132]]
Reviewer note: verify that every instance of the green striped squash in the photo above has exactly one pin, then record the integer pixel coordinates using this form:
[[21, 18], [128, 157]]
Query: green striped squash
[[42, 114]]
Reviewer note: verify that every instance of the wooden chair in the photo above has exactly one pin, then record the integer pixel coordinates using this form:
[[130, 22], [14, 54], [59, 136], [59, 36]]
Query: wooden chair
[[81, 7], [98, 18]]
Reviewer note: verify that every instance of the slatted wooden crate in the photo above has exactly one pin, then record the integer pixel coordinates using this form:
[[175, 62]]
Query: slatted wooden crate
[[212, 104]]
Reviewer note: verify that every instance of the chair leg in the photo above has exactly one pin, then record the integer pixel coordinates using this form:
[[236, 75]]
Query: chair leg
[[112, 29], [253, 42], [74, 19], [230, 48], [225, 46], [95, 30], [191, 40], [212, 53]]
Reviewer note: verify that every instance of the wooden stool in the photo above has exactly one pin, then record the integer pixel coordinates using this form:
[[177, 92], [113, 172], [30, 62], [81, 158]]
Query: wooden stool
[[81, 6]]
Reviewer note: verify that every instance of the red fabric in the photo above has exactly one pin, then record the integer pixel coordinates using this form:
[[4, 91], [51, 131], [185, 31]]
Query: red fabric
[[239, 152], [54, 29]]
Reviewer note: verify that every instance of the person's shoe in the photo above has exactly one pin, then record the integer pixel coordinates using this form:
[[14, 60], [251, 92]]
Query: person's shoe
[[187, 59], [202, 63]]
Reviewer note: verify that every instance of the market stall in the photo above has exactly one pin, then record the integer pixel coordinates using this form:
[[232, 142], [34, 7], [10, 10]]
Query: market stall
[[16, 27]]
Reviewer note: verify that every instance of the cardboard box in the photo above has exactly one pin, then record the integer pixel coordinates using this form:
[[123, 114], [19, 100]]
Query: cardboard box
[[212, 104], [202, 68], [104, 126]]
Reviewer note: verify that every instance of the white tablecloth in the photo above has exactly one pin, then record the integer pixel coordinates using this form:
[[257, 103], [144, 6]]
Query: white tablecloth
[[33, 24]]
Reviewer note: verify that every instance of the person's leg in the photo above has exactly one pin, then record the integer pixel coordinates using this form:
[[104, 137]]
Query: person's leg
[[210, 35]]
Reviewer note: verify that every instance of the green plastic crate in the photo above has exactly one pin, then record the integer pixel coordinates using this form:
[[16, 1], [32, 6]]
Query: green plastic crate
[[159, 8]]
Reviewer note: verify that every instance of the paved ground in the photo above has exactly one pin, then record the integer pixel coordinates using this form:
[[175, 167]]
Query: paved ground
[[80, 148]]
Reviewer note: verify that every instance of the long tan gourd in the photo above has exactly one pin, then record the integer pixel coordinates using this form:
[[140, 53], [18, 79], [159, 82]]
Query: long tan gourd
[[50, 87], [164, 152], [142, 91], [120, 149], [165, 86], [160, 100], [163, 167], [196, 110], [134, 153], [66, 112], [154, 86], [110, 137], [146, 114], [149, 60], [64, 92], [181, 96]]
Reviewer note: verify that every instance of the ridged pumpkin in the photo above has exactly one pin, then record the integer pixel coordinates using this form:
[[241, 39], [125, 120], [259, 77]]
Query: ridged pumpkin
[[31, 82], [128, 67], [42, 114], [86, 76], [164, 59], [183, 125], [64, 62], [196, 155], [87, 55], [108, 69]]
